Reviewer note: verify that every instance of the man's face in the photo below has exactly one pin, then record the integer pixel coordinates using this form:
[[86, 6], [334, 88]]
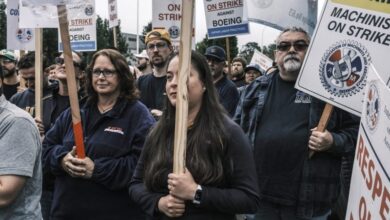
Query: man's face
[[142, 63], [61, 70], [238, 69], [28, 74], [9, 66], [291, 50], [216, 67], [158, 52]]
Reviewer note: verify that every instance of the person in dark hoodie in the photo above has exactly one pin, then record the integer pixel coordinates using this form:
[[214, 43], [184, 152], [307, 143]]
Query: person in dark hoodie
[[115, 124], [220, 179]]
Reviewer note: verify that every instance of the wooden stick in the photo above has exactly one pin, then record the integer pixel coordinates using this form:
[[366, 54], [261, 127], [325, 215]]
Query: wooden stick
[[228, 57], [71, 81], [180, 142], [22, 82], [328, 109], [115, 37], [38, 73]]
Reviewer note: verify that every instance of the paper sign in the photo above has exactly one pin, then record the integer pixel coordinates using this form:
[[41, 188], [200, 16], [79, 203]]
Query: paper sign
[[18, 38]]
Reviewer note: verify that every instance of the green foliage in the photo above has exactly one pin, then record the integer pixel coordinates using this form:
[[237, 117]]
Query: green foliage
[[202, 46], [145, 30], [248, 49]]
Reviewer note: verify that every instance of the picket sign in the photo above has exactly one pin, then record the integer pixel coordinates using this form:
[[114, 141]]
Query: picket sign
[[38, 73]]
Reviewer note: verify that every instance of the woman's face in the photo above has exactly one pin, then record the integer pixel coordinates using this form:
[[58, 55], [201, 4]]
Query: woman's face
[[195, 85], [104, 77]]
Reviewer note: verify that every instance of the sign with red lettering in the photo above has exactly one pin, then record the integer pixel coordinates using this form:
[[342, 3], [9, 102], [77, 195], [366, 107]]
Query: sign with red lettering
[[350, 35], [226, 18], [261, 59], [167, 15], [369, 197], [82, 27]]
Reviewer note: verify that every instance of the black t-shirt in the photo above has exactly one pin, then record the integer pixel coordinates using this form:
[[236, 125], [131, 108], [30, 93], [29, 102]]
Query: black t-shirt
[[62, 104], [10, 90], [152, 91], [281, 142]]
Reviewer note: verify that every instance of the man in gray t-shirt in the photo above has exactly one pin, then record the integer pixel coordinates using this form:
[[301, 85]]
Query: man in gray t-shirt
[[20, 163]]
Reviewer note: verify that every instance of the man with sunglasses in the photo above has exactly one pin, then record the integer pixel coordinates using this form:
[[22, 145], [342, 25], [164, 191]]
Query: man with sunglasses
[[280, 122], [11, 81], [152, 86]]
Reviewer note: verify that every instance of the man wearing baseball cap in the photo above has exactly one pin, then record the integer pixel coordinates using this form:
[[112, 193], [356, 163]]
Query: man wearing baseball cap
[[152, 86], [11, 81], [227, 90], [252, 71], [143, 63]]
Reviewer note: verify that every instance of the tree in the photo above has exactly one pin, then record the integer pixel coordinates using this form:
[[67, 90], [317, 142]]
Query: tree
[[145, 30], [3, 26], [202, 46], [269, 51], [248, 49]]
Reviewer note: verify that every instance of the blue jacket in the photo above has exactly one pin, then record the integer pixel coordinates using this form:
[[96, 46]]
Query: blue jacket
[[314, 199], [114, 142]]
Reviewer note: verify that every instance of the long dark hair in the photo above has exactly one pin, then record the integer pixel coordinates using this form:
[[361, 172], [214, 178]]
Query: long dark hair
[[205, 143], [125, 78]]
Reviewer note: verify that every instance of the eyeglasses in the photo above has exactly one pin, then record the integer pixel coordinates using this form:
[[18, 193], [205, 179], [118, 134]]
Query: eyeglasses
[[159, 46], [298, 46], [106, 73], [60, 61]]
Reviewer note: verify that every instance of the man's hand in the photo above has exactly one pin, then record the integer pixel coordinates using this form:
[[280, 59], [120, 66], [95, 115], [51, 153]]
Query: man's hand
[[320, 141], [40, 125]]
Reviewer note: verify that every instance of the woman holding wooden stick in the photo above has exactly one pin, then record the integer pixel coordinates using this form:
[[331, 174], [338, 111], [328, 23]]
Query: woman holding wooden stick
[[220, 178], [115, 125]]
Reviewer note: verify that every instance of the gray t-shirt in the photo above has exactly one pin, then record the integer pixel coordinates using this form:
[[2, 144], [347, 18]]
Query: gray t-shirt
[[20, 154]]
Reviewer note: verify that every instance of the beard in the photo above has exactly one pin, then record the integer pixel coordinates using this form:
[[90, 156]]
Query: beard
[[292, 63], [7, 72], [142, 66]]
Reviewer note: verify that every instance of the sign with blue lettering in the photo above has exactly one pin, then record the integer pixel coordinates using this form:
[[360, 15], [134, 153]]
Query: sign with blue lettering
[[226, 18]]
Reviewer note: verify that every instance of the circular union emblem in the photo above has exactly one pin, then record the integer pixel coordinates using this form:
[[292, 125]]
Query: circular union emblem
[[262, 3], [372, 107], [174, 31], [89, 10], [343, 68], [24, 35]]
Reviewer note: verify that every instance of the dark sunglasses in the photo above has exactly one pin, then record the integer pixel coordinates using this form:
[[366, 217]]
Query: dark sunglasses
[[60, 61], [298, 46]]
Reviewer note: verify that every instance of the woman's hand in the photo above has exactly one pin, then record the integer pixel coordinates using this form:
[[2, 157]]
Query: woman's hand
[[182, 185], [171, 206], [76, 167]]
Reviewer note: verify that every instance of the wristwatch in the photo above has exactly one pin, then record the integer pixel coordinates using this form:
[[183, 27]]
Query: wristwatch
[[198, 195]]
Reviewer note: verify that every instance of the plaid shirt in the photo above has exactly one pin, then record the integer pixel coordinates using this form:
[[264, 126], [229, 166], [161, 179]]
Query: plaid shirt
[[320, 184]]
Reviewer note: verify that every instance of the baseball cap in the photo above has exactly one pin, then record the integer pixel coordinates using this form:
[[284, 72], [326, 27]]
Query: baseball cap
[[253, 66], [143, 54], [159, 34], [216, 52], [7, 54]]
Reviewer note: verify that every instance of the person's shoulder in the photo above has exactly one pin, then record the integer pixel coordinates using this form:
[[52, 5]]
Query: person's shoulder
[[11, 113]]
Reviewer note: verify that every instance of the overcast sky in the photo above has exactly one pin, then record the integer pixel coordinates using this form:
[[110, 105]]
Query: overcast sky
[[127, 12]]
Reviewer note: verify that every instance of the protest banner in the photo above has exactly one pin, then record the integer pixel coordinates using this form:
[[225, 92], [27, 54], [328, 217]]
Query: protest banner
[[369, 196], [112, 13], [167, 15], [82, 26], [226, 18], [280, 14], [34, 14], [261, 59], [350, 35], [17, 38]]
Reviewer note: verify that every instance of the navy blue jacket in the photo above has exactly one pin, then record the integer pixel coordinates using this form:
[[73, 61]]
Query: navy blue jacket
[[114, 144], [319, 187], [228, 94]]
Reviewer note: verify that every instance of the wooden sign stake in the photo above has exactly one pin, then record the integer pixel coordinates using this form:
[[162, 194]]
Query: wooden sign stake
[[71, 80], [180, 138], [38, 73], [328, 109]]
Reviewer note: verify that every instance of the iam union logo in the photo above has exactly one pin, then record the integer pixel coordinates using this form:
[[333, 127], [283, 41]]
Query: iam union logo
[[343, 68], [24, 35], [372, 107]]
